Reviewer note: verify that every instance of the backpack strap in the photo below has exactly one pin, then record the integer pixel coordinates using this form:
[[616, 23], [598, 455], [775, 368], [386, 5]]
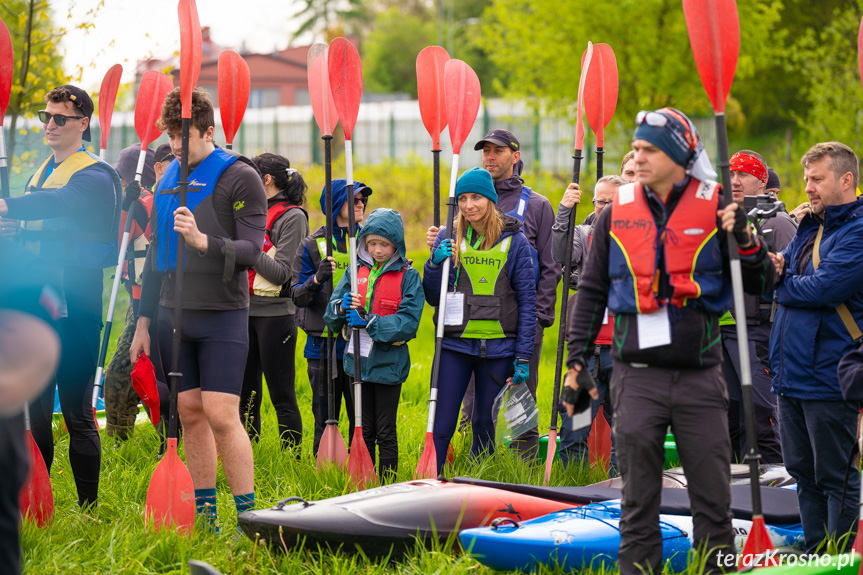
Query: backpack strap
[[841, 309]]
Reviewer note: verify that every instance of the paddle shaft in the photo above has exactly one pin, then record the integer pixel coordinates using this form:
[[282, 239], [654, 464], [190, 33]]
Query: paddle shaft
[[4, 165], [328, 205], [229, 146], [600, 153], [115, 288], [436, 156], [752, 455], [444, 287], [176, 343], [352, 249], [564, 296]]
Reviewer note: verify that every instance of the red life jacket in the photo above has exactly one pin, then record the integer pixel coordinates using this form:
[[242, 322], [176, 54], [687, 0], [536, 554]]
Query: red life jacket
[[274, 212], [387, 293], [606, 331], [689, 243], [133, 253]]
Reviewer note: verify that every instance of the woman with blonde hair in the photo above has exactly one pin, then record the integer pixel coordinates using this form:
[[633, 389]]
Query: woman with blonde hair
[[490, 318]]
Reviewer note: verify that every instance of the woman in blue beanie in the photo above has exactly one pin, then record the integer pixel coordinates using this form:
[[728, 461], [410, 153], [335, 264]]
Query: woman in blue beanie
[[491, 309]]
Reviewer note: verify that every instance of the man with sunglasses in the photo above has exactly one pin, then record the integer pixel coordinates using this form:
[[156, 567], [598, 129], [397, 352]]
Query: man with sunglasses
[[573, 443], [311, 293], [658, 261], [70, 216]]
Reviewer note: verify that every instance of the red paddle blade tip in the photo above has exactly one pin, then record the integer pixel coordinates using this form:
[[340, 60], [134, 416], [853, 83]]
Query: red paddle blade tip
[[714, 34], [7, 69], [549, 455], [190, 52], [431, 62], [323, 106], [361, 470], [600, 90], [234, 90], [427, 464], [36, 499], [332, 449], [346, 82], [758, 545], [171, 494], [107, 98], [463, 97], [579, 121], [148, 106]]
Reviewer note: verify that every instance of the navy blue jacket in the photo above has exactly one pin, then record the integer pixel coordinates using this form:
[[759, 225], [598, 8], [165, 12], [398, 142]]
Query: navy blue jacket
[[809, 338], [523, 282]]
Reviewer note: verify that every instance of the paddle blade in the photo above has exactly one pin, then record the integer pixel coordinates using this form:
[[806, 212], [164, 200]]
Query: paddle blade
[[234, 89], [714, 33], [107, 98], [148, 107], [858, 540], [757, 544], [190, 52], [431, 62], [600, 90], [361, 470], [549, 455], [332, 448], [7, 66], [346, 82], [323, 106], [463, 96], [586, 57], [427, 465], [36, 499], [171, 495], [599, 442]]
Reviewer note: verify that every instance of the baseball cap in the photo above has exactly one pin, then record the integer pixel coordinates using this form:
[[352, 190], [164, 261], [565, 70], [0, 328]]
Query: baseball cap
[[500, 138], [163, 153], [81, 100], [127, 165]]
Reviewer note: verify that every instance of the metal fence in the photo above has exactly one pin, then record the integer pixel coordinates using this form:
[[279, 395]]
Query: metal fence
[[384, 130]]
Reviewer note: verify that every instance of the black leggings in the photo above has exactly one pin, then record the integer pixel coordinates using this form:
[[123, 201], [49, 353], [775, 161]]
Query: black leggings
[[79, 339], [272, 344], [380, 410], [15, 464]]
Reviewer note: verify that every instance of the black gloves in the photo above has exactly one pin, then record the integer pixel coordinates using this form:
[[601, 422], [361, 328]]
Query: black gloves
[[325, 272], [133, 192], [580, 398], [741, 225]]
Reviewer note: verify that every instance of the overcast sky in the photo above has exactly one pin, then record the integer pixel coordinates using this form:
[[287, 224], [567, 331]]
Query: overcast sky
[[139, 29]]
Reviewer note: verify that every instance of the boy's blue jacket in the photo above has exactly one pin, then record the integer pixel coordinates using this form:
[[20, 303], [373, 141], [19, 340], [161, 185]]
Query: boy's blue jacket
[[387, 362], [523, 282], [809, 338]]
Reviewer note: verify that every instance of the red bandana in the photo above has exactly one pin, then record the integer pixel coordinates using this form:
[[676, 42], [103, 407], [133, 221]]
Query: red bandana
[[741, 162]]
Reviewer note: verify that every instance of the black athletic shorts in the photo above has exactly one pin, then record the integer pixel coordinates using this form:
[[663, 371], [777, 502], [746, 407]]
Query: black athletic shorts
[[213, 350]]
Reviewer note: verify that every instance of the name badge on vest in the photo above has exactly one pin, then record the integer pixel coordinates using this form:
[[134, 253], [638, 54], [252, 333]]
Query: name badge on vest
[[454, 311], [654, 329], [365, 343]]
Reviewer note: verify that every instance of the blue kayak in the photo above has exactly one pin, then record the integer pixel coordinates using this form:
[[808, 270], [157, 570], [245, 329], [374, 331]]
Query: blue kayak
[[100, 403], [589, 536]]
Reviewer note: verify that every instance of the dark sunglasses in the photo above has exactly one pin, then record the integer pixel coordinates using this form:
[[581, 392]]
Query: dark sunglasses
[[600, 203], [361, 200], [59, 119]]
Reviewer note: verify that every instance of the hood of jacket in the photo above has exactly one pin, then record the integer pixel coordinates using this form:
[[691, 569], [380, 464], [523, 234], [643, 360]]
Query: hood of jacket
[[340, 195], [387, 223]]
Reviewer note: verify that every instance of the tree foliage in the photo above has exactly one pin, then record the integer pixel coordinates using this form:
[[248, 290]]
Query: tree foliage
[[390, 49]]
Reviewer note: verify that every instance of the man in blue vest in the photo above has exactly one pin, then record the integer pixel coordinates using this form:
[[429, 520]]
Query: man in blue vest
[[70, 215], [501, 157], [666, 349], [223, 224], [820, 311]]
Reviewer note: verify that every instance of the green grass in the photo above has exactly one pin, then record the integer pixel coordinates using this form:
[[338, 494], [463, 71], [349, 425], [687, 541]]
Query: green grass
[[113, 539]]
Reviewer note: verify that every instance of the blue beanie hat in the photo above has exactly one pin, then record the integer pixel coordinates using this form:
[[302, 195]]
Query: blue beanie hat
[[476, 181], [675, 134]]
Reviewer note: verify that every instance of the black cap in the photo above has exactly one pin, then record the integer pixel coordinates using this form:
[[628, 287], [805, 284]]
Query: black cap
[[772, 180], [127, 164], [500, 138], [164, 153], [82, 102]]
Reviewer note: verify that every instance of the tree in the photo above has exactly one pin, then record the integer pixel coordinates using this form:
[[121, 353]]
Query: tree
[[38, 68], [391, 48], [331, 18]]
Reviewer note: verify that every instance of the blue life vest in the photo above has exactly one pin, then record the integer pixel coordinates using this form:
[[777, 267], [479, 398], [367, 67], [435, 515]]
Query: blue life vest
[[202, 183], [519, 213]]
